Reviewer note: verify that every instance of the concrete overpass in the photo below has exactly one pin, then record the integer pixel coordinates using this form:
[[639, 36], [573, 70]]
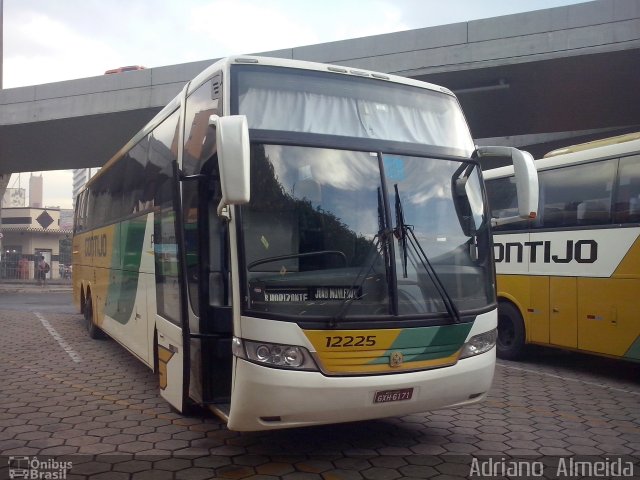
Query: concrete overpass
[[535, 80]]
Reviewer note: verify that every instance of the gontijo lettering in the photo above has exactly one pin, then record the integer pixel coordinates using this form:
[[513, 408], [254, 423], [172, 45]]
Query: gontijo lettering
[[95, 246], [582, 251]]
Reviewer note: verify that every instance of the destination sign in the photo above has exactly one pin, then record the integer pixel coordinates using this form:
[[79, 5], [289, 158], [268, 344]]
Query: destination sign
[[305, 294]]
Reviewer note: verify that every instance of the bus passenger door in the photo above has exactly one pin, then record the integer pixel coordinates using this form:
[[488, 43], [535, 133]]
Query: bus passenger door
[[216, 320], [563, 315], [170, 358], [169, 342]]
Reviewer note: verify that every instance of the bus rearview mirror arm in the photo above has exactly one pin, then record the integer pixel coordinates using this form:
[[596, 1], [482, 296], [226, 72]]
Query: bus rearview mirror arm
[[232, 145], [526, 177]]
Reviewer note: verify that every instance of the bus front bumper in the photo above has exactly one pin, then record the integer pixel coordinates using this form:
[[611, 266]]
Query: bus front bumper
[[266, 398]]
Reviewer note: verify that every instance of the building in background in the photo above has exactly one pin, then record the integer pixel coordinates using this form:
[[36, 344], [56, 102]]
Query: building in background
[[36, 190], [14, 197], [80, 178], [29, 233]]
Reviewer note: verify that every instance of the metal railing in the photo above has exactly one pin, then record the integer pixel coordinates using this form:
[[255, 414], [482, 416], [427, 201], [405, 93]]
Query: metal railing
[[18, 267]]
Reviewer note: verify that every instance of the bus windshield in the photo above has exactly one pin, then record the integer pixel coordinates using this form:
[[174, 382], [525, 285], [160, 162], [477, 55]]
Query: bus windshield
[[321, 235], [326, 103]]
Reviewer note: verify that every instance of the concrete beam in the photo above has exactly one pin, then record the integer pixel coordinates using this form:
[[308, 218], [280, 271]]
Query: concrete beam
[[81, 123], [587, 28]]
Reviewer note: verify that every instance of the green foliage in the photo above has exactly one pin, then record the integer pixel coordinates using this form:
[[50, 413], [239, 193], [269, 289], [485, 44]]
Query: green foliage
[[65, 245]]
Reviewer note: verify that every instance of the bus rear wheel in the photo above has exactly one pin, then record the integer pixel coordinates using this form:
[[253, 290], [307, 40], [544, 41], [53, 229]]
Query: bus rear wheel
[[92, 328], [511, 333]]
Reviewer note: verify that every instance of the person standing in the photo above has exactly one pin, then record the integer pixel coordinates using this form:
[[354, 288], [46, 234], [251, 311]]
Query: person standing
[[23, 268], [43, 269]]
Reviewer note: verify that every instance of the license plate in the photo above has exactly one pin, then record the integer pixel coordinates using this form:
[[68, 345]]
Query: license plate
[[393, 395]]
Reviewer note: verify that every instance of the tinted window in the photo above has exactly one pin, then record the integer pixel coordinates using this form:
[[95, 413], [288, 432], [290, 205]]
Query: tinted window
[[135, 179], [162, 156], [106, 198], [577, 195], [79, 223], [199, 137], [123, 189], [627, 206]]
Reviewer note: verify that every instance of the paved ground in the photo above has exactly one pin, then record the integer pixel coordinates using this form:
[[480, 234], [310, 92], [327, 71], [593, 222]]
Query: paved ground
[[66, 398]]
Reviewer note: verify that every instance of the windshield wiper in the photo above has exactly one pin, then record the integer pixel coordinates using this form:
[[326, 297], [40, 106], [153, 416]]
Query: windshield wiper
[[404, 232], [401, 231], [381, 239]]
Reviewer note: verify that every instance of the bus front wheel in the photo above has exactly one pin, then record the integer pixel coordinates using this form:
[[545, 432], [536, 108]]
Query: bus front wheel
[[92, 328], [511, 333]]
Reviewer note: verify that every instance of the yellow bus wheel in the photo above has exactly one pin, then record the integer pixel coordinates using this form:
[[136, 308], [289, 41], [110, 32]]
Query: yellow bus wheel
[[511, 332]]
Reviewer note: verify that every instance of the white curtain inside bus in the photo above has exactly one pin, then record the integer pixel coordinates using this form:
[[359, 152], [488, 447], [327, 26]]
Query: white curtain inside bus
[[347, 106]]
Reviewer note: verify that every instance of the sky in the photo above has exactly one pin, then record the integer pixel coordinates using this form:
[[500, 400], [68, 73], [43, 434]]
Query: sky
[[54, 40]]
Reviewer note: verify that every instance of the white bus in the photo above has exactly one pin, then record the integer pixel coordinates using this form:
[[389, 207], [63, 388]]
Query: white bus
[[571, 277], [290, 244]]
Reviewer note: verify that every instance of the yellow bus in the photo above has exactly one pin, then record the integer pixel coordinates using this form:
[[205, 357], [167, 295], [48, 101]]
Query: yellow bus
[[290, 243], [570, 278]]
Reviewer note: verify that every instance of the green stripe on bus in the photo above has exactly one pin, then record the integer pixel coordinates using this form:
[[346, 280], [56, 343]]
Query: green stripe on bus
[[127, 255], [427, 343], [634, 351]]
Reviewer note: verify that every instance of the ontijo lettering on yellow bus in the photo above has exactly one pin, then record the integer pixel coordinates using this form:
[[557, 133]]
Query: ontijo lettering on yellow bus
[[582, 251], [95, 246]]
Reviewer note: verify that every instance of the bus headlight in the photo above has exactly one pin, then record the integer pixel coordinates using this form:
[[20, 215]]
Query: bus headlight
[[479, 344], [274, 355]]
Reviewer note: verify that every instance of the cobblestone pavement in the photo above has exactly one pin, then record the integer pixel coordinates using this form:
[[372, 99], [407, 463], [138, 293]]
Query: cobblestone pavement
[[67, 398]]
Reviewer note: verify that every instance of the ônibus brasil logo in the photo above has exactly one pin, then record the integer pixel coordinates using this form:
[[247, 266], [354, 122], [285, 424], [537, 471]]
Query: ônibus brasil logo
[[37, 469]]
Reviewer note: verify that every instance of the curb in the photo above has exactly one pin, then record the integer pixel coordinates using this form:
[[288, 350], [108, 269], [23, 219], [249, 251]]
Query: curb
[[25, 288]]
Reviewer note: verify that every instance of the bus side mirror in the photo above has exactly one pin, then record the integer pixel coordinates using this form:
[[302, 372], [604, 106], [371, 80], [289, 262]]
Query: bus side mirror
[[232, 144], [526, 177], [467, 199]]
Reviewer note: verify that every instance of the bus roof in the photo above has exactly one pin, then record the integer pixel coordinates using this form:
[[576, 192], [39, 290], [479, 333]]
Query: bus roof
[[594, 144], [223, 65], [599, 149], [305, 65]]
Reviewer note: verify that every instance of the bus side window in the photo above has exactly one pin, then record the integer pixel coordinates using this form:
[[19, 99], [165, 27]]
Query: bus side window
[[137, 177], [163, 150], [79, 222], [578, 194], [218, 253], [592, 212], [627, 204], [101, 201]]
